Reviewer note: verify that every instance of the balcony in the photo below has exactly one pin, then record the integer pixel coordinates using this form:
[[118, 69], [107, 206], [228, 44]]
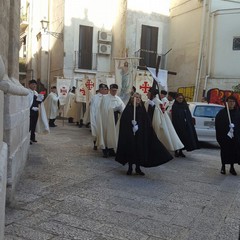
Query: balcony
[[84, 61], [23, 22]]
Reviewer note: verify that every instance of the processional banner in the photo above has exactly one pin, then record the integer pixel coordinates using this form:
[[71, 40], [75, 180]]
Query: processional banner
[[86, 88], [144, 82], [125, 73], [63, 86], [161, 78]]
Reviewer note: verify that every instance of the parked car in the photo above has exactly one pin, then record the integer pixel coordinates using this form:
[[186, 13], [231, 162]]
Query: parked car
[[204, 119]]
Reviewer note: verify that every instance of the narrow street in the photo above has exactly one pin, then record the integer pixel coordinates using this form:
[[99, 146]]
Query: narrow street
[[68, 191]]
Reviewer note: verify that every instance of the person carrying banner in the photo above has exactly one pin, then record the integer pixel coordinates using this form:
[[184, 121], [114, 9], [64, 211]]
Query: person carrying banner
[[137, 142], [227, 123], [161, 122], [110, 109]]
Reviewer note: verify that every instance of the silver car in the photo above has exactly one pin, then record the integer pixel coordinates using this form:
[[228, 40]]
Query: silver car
[[204, 119]]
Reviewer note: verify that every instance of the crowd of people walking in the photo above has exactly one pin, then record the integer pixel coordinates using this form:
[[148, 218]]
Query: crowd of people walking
[[144, 134]]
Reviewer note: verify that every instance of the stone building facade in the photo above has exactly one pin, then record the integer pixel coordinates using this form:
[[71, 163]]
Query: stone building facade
[[14, 109]]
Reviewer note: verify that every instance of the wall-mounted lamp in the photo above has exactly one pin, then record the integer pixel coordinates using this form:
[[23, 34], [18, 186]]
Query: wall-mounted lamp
[[44, 24]]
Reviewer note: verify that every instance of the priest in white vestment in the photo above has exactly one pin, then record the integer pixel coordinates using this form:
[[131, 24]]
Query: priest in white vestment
[[110, 109], [161, 122], [51, 104], [94, 110]]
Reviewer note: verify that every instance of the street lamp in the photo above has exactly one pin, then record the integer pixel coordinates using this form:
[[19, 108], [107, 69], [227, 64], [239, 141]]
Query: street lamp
[[44, 24]]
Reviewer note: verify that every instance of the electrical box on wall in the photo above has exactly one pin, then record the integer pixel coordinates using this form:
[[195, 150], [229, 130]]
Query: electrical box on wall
[[104, 36], [104, 49]]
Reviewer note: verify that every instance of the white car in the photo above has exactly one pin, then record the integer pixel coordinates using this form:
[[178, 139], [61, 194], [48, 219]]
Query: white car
[[204, 119]]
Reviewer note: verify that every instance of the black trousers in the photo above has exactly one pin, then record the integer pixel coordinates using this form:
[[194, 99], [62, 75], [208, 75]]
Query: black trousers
[[33, 124]]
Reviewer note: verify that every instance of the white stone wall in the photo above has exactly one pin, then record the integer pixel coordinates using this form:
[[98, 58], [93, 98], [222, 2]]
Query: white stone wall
[[3, 169]]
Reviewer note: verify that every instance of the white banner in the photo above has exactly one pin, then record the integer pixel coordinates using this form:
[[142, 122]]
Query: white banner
[[86, 88], [144, 82], [63, 87], [161, 78], [125, 72]]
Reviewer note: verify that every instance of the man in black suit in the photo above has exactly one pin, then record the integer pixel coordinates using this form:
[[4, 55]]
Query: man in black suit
[[34, 99]]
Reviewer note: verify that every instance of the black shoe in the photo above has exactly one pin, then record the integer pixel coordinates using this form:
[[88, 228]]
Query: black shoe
[[129, 172], [139, 172], [105, 153], [176, 154], [52, 125], [181, 154], [33, 141], [95, 148], [112, 153], [223, 170], [30, 142], [232, 171], [87, 125]]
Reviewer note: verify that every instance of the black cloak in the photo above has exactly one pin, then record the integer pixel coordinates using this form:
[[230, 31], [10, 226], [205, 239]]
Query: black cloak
[[230, 147], [143, 148], [183, 124]]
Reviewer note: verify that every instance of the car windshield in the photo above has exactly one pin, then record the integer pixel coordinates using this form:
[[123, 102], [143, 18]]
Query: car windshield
[[206, 111]]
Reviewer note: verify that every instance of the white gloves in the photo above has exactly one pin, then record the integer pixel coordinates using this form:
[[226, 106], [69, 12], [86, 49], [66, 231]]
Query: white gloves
[[151, 102], [40, 97], [135, 126], [35, 109], [231, 125]]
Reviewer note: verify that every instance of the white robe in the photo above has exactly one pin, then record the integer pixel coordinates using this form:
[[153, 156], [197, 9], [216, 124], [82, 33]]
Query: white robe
[[42, 123], [163, 127], [94, 112], [106, 128], [51, 105]]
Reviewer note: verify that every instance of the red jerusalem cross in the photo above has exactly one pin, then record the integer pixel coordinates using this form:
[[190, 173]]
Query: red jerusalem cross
[[89, 84], [82, 90], [63, 91], [145, 87]]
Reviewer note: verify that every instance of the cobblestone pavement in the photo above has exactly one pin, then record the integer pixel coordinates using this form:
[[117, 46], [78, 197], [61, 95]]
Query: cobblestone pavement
[[68, 191]]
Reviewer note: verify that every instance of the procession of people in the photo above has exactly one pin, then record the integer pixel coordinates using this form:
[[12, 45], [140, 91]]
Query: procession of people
[[144, 134]]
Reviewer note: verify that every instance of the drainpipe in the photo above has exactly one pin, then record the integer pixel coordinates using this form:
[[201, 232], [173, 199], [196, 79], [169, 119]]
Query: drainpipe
[[200, 55]]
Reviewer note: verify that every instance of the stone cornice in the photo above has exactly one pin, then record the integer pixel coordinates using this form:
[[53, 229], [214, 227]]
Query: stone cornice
[[10, 85]]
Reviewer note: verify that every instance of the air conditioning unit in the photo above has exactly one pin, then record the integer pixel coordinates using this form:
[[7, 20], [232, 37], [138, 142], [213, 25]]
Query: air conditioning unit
[[104, 49], [105, 36]]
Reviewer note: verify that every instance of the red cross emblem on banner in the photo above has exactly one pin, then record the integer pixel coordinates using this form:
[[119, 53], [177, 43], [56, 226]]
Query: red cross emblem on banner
[[82, 91], [89, 84], [145, 87], [63, 91]]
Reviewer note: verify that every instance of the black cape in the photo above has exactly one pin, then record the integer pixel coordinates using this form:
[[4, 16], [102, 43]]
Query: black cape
[[183, 124], [230, 147], [143, 148]]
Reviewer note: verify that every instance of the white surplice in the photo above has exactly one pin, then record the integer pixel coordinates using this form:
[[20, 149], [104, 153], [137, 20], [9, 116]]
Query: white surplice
[[163, 127]]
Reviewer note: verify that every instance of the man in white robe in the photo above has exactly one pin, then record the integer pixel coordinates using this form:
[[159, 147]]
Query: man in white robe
[[51, 105], [161, 122], [164, 99], [110, 109], [94, 110]]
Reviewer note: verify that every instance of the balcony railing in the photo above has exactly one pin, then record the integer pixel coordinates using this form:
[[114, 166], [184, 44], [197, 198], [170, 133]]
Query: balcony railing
[[84, 60]]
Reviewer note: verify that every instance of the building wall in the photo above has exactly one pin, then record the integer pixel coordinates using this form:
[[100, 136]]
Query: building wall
[[201, 35], [14, 111], [184, 39]]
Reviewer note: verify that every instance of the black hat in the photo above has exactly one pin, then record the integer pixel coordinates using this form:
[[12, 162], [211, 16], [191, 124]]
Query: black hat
[[153, 91], [114, 85], [32, 81], [102, 85], [172, 94], [164, 92]]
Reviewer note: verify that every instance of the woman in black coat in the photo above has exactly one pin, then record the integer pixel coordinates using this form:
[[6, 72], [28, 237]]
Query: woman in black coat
[[229, 142], [137, 143], [183, 124]]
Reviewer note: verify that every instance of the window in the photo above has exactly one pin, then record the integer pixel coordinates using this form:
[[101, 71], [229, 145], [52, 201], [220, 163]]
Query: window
[[206, 111], [149, 43], [85, 47], [236, 43]]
